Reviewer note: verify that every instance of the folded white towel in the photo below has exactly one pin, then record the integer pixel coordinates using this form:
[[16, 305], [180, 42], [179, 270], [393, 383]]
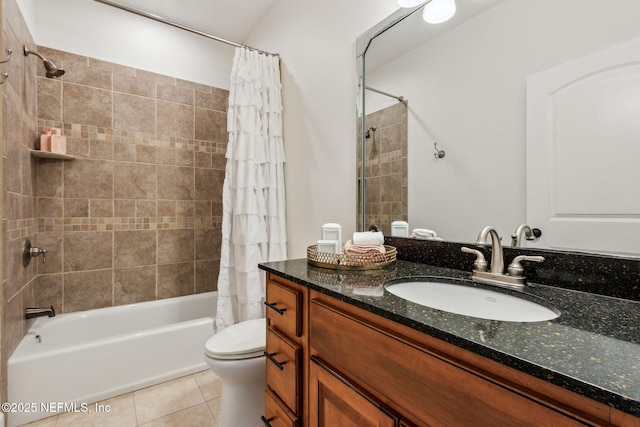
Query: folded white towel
[[425, 234], [368, 238]]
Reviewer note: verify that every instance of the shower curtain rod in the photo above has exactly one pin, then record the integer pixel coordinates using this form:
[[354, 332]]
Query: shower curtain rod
[[399, 98], [180, 26]]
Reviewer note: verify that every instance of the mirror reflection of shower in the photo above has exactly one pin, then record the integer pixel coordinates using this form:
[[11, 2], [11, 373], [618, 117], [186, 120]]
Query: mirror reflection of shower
[[370, 132]]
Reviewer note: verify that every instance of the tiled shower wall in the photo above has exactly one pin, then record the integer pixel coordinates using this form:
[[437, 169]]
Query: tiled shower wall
[[136, 217], [18, 180], [386, 167]]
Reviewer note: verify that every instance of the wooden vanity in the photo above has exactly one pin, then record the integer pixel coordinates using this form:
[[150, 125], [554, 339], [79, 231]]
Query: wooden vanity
[[334, 364]]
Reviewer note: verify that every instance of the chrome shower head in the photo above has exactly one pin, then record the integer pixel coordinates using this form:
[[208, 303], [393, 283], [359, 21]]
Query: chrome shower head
[[52, 70]]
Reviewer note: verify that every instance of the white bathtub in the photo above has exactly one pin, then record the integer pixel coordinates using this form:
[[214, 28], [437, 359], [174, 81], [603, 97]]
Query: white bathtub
[[88, 356]]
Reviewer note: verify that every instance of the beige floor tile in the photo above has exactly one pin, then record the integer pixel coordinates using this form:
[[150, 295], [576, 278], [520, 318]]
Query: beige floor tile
[[210, 384], [118, 411], [214, 406], [45, 422], [196, 416], [163, 399]]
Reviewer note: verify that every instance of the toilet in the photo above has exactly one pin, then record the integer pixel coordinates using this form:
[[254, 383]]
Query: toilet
[[236, 355]]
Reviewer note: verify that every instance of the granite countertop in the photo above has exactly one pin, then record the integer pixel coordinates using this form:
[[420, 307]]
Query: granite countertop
[[592, 348]]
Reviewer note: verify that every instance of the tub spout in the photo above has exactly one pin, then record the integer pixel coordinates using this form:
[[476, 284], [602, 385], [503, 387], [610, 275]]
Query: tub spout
[[30, 313]]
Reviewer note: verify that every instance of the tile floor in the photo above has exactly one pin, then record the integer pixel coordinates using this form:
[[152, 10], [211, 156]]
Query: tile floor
[[191, 401]]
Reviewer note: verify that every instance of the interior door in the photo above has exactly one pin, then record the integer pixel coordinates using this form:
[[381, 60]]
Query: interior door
[[583, 152]]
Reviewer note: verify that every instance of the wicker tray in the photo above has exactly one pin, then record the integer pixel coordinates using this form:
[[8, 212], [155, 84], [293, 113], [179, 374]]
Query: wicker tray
[[352, 262]]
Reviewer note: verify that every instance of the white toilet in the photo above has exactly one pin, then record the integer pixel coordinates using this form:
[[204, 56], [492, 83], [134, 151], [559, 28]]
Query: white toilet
[[236, 355]]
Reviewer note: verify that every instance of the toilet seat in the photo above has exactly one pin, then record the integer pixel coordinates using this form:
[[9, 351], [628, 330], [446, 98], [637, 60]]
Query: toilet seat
[[243, 340]]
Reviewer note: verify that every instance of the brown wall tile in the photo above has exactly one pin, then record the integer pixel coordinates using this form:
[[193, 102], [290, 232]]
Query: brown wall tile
[[134, 113], [88, 250], [175, 183], [87, 290], [47, 291], [127, 83], [175, 119], [175, 246], [176, 280], [134, 248], [87, 105], [131, 285], [207, 276], [134, 181], [88, 179]]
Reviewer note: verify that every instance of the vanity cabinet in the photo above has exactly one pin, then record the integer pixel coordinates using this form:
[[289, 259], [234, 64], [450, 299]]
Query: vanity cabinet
[[355, 368], [286, 364]]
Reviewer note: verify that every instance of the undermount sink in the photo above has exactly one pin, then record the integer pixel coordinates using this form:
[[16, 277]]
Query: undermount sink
[[472, 301]]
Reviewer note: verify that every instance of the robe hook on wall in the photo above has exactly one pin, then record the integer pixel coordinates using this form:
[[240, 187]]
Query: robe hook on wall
[[439, 154], [9, 52]]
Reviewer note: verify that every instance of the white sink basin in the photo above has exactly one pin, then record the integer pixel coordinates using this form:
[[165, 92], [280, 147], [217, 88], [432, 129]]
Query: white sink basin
[[470, 301]]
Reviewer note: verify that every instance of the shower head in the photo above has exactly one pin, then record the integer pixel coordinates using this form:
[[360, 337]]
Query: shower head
[[52, 70], [369, 132]]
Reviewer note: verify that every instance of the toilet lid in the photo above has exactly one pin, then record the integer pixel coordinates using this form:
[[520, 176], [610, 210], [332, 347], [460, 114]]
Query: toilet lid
[[240, 341]]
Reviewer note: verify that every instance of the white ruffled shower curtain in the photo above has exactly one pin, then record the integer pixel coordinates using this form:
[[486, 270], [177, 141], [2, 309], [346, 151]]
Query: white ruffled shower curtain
[[253, 222]]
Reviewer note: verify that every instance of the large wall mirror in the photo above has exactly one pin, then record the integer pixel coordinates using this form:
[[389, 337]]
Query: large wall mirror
[[535, 108]]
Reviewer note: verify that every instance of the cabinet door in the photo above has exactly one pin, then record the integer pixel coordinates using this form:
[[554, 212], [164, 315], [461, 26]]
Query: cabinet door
[[336, 402]]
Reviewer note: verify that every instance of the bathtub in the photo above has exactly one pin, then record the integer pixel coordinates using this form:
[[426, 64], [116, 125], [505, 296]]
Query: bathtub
[[83, 357]]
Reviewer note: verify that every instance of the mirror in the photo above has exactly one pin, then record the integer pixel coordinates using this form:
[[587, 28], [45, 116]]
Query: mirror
[[464, 85]]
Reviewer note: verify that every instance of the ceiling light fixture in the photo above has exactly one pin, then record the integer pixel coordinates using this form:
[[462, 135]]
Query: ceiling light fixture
[[438, 11]]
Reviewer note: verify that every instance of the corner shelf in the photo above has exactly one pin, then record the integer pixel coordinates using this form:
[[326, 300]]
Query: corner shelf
[[50, 155]]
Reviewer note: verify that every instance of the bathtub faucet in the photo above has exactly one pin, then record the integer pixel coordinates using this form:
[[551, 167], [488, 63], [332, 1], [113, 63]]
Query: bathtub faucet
[[30, 313]]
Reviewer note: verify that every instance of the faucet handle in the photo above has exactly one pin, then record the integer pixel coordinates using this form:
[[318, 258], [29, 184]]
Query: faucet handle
[[515, 268], [34, 252], [480, 264]]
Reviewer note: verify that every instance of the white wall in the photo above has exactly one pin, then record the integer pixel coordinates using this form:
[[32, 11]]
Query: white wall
[[467, 91], [316, 41], [92, 29]]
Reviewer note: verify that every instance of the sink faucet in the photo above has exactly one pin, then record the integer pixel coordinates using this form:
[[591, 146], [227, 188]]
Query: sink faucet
[[30, 313], [497, 262], [529, 234], [513, 279]]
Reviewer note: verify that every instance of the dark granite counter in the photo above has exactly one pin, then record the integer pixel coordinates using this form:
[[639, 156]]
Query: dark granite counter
[[593, 348]]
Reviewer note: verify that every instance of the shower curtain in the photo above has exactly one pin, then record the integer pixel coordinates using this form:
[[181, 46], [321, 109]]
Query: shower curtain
[[253, 222]]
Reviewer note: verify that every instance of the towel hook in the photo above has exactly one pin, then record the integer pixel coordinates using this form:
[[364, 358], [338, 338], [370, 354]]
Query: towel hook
[[9, 52], [439, 153], [3, 77]]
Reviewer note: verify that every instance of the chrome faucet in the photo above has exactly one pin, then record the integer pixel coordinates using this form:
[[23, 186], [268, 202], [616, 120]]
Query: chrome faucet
[[529, 234], [514, 278], [30, 313]]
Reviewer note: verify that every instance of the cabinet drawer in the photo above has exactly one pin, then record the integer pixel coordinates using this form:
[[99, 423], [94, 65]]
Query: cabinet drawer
[[284, 308], [277, 415], [284, 360]]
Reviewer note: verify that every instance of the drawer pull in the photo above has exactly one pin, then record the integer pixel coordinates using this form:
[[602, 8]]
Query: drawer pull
[[280, 365], [273, 307], [267, 421]]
